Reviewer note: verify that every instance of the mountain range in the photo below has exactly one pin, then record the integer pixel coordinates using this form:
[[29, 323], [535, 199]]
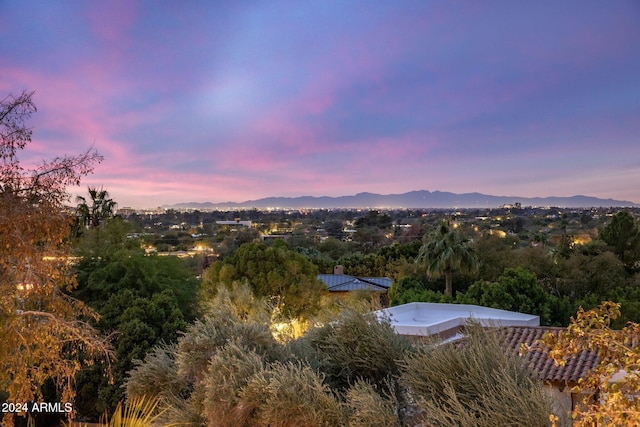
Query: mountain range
[[412, 199]]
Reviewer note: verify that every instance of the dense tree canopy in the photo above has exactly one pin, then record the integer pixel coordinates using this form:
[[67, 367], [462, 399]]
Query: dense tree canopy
[[276, 272], [516, 290], [623, 236], [143, 299]]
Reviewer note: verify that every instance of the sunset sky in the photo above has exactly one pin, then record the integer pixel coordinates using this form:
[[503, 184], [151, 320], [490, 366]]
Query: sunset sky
[[238, 100]]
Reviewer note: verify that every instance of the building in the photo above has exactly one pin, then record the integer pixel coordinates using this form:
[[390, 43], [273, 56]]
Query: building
[[340, 284]]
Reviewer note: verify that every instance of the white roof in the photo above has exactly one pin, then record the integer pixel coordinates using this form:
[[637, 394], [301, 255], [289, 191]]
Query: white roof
[[425, 318]]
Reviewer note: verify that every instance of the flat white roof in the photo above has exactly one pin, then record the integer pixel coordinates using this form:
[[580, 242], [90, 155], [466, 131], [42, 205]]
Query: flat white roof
[[425, 318]]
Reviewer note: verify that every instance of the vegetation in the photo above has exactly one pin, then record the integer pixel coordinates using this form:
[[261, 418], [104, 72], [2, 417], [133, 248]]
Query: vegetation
[[276, 272], [445, 252], [475, 383], [101, 207], [45, 333], [143, 300], [610, 390], [227, 370], [516, 290]]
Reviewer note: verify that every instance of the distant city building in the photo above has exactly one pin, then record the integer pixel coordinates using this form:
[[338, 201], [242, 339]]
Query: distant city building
[[236, 222]]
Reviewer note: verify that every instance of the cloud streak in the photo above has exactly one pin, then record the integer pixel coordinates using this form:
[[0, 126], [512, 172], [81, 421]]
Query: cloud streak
[[229, 102]]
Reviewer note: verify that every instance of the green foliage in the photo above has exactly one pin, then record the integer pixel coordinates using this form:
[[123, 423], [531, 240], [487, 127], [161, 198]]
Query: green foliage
[[101, 207], [143, 300], [494, 255], [516, 290], [228, 370], [117, 270], [414, 289], [475, 383], [277, 272], [445, 252], [623, 236], [584, 275]]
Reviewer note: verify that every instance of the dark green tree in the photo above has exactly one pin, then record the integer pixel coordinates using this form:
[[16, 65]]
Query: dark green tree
[[447, 251], [623, 236], [516, 290], [99, 207], [276, 272], [142, 299]]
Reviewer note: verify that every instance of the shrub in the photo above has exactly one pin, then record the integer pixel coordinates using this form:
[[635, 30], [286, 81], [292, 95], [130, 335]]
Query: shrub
[[356, 346], [475, 383], [230, 370], [292, 394], [156, 375], [368, 408], [205, 337]]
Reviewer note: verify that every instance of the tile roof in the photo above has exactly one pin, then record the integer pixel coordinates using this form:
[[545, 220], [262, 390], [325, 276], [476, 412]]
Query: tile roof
[[540, 362]]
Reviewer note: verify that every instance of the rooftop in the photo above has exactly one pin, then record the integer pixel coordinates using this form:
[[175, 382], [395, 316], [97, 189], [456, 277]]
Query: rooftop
[[426, 319], [538, 359], [344, 283]]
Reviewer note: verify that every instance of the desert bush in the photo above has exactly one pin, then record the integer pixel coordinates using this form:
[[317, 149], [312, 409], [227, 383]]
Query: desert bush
[[230, 370], [156, 375], [241, 391], [205, 337], [177, 375], [355, 346], [475, 382], [368, 408], [291, 395]]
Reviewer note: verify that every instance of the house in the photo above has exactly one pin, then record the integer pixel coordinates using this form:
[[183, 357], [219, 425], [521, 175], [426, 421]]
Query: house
[[340, 284]]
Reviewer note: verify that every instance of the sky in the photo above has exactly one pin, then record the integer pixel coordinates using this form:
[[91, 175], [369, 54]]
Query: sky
[[239, 100]]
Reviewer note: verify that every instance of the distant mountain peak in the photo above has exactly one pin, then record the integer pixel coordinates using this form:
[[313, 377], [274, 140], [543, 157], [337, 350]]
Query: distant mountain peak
[[410, 200]]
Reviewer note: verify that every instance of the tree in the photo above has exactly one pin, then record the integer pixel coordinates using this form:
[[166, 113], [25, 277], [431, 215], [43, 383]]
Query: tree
[[142, 299], [276, 272], [102, 207], [610, 389], [623, 236], [44, 332], [445, 252], [516, 290]]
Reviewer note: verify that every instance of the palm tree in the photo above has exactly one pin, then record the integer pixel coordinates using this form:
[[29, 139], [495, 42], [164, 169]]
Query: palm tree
[[102, 207], [445, 252]]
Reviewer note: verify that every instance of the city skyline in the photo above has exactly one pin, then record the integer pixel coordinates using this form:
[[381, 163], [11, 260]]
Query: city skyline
[[219, 102]]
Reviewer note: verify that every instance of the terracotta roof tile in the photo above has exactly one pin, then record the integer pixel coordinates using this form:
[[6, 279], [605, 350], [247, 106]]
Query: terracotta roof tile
[[540, 362]]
